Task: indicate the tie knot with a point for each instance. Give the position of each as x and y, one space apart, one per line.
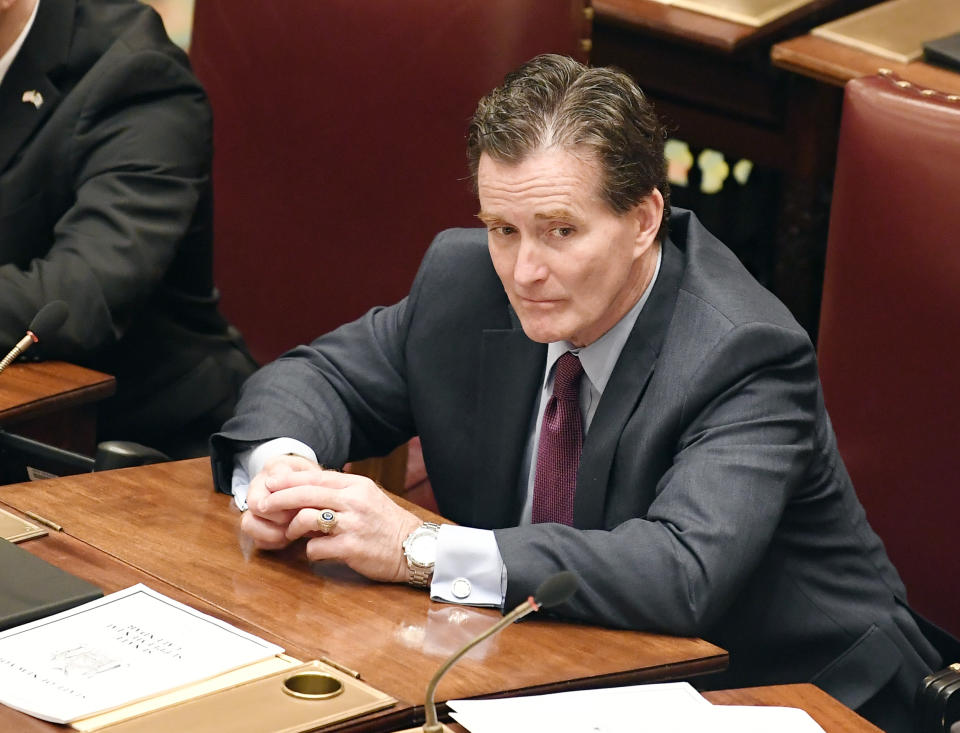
566 377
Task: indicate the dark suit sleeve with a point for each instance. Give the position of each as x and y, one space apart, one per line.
138 159
748 421
345 395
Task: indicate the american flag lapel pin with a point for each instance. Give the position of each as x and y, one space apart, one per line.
32 97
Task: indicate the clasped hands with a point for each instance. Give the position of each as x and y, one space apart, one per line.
285 500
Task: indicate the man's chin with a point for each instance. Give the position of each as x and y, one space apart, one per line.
543 334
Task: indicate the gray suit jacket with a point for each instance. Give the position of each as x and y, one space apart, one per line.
711 499
106 203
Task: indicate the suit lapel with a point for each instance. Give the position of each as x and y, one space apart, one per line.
623 392
43 52
511 371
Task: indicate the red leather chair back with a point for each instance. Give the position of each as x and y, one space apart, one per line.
339 134
889 343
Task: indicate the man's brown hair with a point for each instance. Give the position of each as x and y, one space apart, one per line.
555 101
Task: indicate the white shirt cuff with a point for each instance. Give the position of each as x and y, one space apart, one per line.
250 462
468 569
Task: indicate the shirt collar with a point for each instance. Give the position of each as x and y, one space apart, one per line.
600 357
6 61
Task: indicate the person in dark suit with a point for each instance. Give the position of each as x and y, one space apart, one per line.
105 203
593 394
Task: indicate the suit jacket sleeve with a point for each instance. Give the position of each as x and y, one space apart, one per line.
747 434
137 157
345 395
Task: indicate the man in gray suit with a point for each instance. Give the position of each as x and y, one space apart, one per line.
694 484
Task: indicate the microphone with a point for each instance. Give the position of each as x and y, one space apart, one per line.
551 592
47 321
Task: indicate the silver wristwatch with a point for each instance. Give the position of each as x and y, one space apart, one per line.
420 552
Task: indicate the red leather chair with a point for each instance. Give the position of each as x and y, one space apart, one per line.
889 344
339 134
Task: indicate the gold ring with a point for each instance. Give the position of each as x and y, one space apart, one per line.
326 520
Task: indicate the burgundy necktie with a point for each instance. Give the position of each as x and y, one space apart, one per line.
561 438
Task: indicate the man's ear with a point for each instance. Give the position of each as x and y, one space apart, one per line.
648 214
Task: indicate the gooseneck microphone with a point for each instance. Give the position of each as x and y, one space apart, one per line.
554 590
47 322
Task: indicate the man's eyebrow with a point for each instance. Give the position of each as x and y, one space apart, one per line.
489 218
560 213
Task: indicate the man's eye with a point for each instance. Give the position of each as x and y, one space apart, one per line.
563 232
505 230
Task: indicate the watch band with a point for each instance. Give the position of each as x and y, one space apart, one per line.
420 575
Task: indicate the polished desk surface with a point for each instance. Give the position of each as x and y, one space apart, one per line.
699 28
831 715
167 522
835 63
53 402
29 390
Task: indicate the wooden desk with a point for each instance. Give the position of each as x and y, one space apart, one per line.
166 521
111 574
712 82
831 715
836 64
709 76
54 402
32 390
699 28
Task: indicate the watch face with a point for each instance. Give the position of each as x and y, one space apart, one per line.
423 549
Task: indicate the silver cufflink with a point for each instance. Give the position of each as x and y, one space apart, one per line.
461 588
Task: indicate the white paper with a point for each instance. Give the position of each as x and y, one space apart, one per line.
672 707
115 650
665 707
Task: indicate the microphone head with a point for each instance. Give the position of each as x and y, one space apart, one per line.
49 319
557 588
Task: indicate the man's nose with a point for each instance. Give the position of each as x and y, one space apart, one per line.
529 267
